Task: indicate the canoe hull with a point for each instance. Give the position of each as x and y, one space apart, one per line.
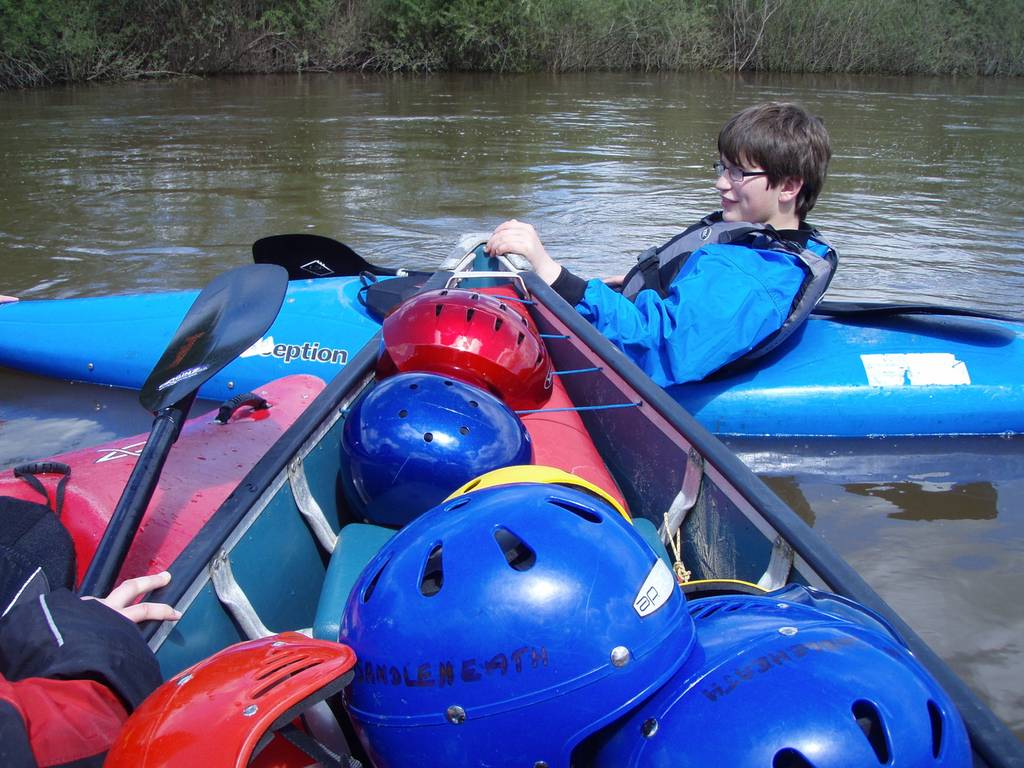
257 563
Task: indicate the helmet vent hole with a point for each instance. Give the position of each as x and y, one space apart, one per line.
707 607
368 592
498 322
521 338
518 554
471 485
790 758
433 573
474 404
414 386
403 413
282 675
428 437
469 315
936 719
583 489
449 383
870 723
463 431
437 309
586 514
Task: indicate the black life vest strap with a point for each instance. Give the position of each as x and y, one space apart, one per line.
648 269
28 472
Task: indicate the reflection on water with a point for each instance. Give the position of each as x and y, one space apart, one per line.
948 556
934 501
162 185
41 417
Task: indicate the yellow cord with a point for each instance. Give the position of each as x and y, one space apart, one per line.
675 542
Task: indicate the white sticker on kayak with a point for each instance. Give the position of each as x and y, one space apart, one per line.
132 451
656 590
307 351
915 369
264 346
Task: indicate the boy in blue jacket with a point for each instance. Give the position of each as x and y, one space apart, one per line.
731 287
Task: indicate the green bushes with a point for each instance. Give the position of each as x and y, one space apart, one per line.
45 41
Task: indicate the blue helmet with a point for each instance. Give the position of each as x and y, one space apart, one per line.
416 437
775 683
504 626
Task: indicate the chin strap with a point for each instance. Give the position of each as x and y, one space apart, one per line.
317 751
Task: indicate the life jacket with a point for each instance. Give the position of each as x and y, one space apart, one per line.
656 268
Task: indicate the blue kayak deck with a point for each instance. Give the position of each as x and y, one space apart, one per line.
116 340
904 375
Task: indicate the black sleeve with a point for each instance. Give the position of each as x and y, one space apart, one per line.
569 286
63 637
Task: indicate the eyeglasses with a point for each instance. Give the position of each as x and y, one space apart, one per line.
736 175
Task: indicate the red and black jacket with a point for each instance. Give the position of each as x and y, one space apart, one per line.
71 671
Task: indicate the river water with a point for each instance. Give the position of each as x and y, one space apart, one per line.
162 185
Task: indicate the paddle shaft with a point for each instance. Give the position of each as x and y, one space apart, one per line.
124 522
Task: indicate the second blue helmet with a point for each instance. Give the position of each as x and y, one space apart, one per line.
775 683
416 437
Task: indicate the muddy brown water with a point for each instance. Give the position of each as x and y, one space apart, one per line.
161 185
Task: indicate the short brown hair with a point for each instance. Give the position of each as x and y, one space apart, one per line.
783 139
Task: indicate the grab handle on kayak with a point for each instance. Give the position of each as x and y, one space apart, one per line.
513 276
228 407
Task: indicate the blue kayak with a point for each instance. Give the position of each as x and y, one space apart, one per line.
117 340
853 375
897 375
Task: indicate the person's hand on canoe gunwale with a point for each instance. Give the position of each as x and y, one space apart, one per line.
519 237
122 599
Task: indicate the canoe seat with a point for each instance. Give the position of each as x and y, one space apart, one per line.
357 544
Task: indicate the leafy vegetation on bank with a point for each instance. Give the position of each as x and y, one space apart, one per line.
48 41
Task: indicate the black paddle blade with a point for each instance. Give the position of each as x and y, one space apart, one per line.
310 256
861 309
227 317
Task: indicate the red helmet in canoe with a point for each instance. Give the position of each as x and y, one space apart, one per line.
470 336
221 711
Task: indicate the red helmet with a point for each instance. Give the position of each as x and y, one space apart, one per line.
471 336
217 712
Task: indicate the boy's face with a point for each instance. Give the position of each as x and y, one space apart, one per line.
754 200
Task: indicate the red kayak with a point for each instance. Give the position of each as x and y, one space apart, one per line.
206 464
559 437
